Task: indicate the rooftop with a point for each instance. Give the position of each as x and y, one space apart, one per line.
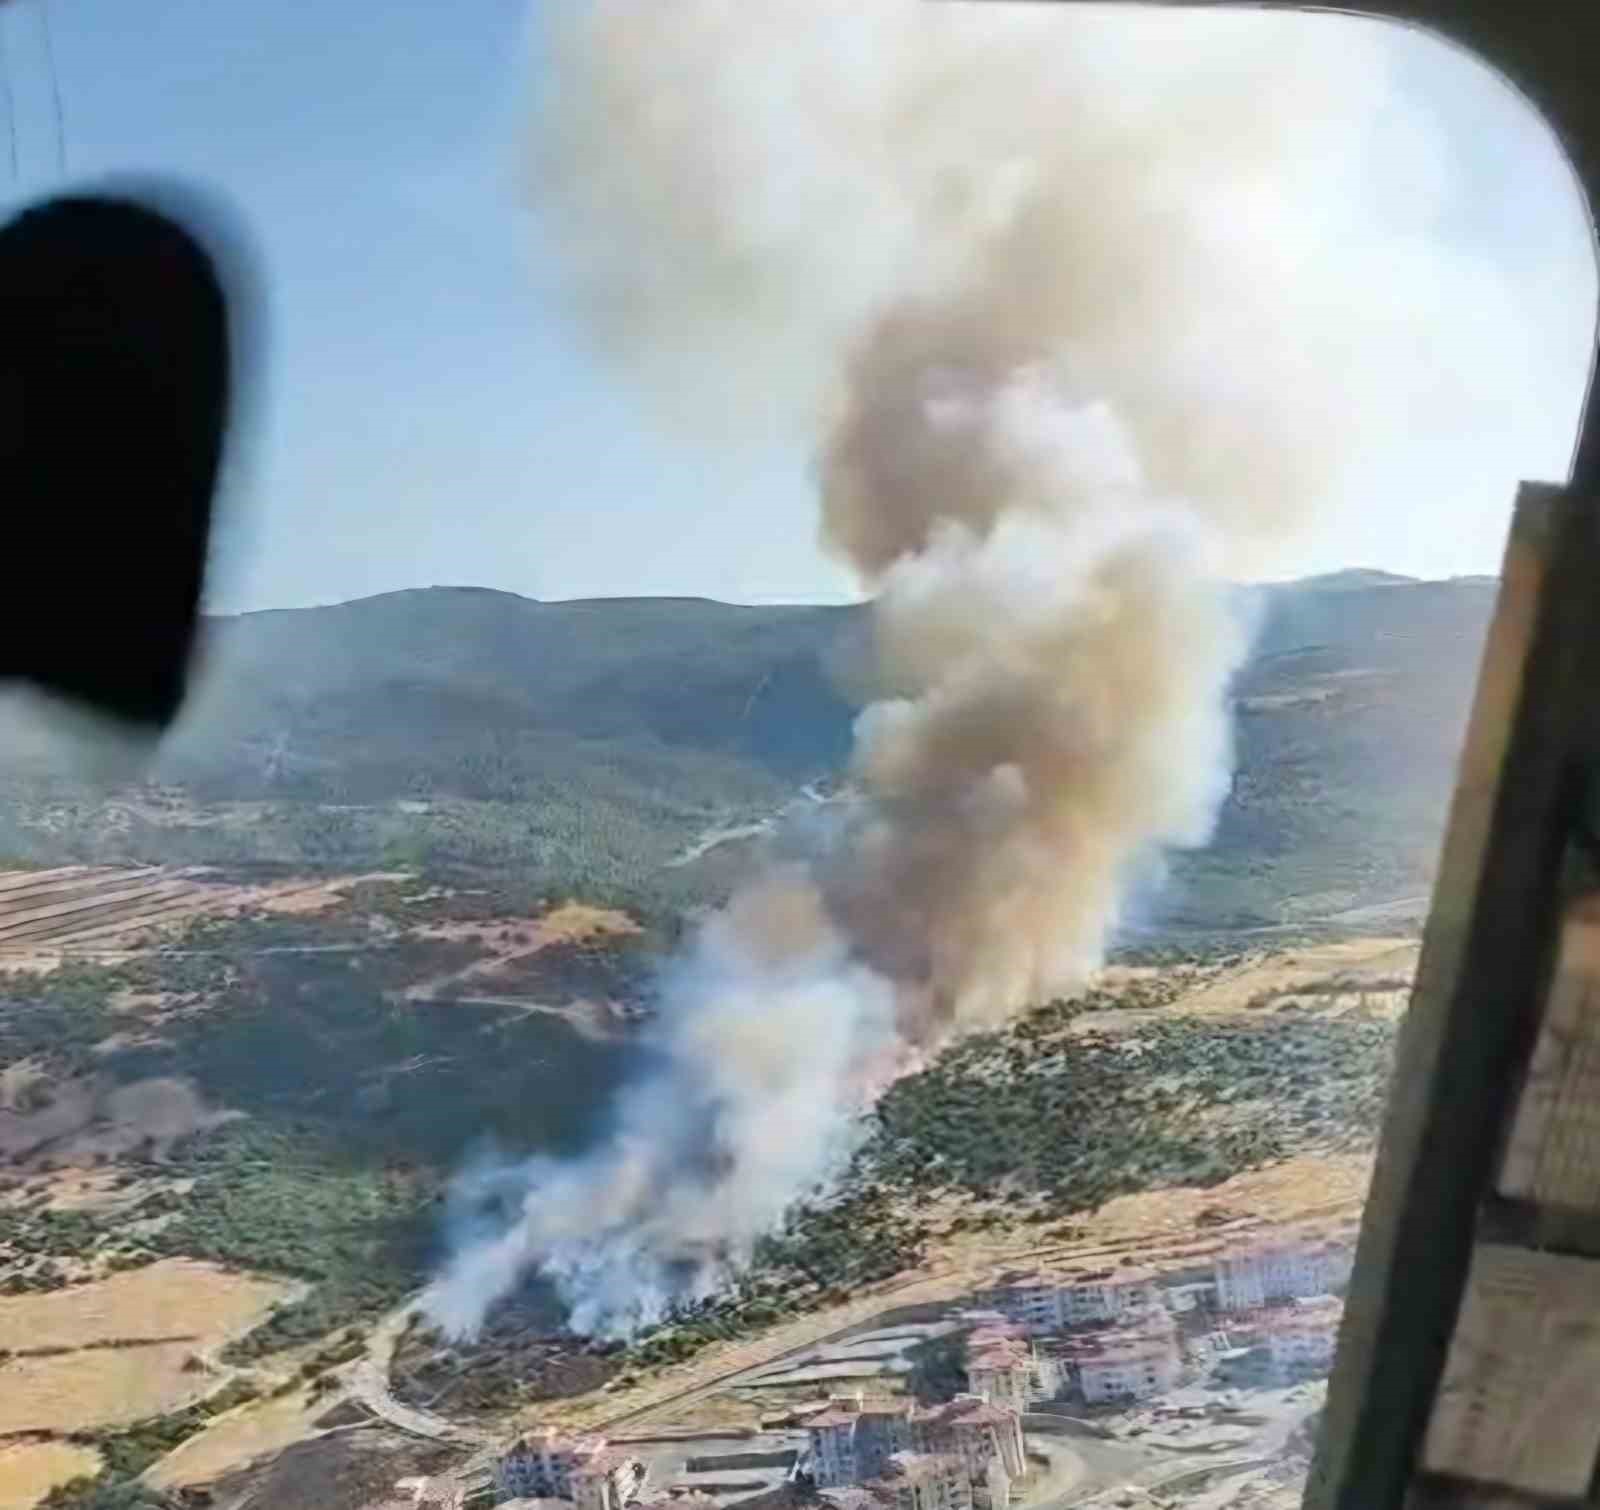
1107 1344
842 1410
965 1410
834 1415
549 1440
1281 1246
1130 1275
995 1358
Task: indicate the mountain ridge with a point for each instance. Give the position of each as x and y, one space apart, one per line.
588 742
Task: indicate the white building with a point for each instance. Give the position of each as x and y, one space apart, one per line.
1050 1302
856 1440
1301 1338
1107 1295
1032 1300
1254 1274
1132 1361
584 1470
1005 1368
1128 1371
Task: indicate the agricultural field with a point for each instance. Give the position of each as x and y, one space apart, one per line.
29 1470
138 1344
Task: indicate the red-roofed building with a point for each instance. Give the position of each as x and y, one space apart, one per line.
1133 1361
1000 1370
977 1432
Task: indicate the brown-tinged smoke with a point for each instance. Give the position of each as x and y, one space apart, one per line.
1082 316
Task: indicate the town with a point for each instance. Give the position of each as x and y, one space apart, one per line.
1112 1351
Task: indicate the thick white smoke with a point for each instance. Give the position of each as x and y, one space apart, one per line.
1082 315
763 1025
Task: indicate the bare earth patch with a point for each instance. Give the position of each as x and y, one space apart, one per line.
509 939
30 1470
1366 962
1369 974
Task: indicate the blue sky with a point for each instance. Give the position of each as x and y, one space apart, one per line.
427 413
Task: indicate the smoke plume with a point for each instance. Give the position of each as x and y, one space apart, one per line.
1082 316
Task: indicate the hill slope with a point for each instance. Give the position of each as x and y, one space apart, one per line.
587 745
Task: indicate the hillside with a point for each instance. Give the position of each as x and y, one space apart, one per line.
587 746
262 1075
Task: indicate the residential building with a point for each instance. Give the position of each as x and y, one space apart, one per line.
1254 1274
991 1321
995 1490
910 1481
1195 1295
1107 1295
1302 1336
1000 1370
1132 1361
1047 1379
1128 1371
584 1470
976 1432
539 1466
1048 1302
1033 1300
854 1438
925 1481
607 1480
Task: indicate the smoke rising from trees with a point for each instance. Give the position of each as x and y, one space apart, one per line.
1083 317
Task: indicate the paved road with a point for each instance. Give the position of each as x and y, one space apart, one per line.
368 1382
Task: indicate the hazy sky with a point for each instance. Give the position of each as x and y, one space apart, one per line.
428 415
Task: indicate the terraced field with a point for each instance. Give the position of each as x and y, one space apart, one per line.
95 911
